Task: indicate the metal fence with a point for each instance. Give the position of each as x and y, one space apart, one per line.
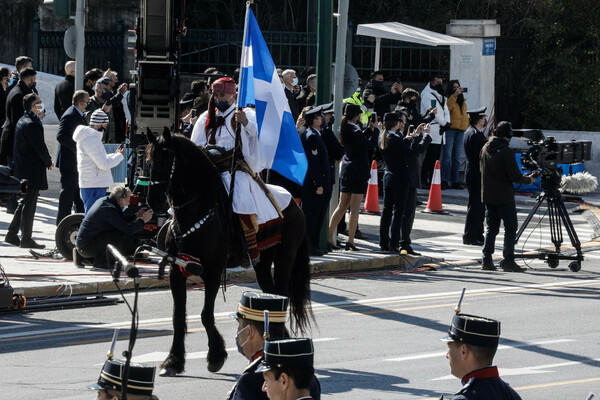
102 49
203 48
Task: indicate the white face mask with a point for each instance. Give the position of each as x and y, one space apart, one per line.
295 81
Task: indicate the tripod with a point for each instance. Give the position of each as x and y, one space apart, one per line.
558 217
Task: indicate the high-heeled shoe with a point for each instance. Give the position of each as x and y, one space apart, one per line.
350 246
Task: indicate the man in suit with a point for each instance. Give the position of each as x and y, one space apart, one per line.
63 92
31 161
66 159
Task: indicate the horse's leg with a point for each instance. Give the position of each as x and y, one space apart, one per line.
216 345
263 270
175 361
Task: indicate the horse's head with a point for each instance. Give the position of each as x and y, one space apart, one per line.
160 156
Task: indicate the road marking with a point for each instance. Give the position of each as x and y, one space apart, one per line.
400 309
549 384
161 355
536 369
316 307
500 347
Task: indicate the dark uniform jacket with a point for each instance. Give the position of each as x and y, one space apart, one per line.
334 149
14 111
63 95
249 386
105 216
485 384
417 146
356 162
499 169
3 94
119 115
66 158
396 167
293 103
31 155
109 133
318 161
473 143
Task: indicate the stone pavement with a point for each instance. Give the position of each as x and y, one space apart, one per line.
437 237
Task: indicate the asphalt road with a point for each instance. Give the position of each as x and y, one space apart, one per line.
377 337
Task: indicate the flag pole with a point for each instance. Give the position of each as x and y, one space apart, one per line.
242 58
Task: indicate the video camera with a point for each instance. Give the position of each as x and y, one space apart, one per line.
548 153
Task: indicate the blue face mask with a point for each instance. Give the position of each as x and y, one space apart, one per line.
106 95
222 105
124 208
237 343
11 81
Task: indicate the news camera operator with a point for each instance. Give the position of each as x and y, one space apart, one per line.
499 170
108 223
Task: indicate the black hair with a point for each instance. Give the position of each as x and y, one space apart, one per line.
4 71
198 86
482 355
504 129
276 330
302 377
375 73
91 75
22 61
26 73
437 75
29 100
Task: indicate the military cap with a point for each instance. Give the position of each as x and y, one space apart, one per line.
391 117
327 108
253 305
471 329
314 112
352 110
290 353
141 378
187 99
225 85
477 112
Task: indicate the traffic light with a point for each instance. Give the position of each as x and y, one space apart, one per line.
60 8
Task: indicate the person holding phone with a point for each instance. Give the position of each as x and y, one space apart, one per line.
93 164
453 143
432 97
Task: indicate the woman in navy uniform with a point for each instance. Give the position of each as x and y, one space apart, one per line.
474 142
316 190
354 175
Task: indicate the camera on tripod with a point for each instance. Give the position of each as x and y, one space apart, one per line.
548 153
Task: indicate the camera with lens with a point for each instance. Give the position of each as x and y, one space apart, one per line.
547 153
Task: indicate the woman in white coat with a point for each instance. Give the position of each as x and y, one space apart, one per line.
93 164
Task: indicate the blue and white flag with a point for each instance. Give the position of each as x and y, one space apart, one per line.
279 142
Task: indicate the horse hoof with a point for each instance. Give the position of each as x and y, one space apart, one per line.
215 366
167 372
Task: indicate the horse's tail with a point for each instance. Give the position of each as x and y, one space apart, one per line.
299 289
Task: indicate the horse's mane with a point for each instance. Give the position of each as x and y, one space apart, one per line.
195 160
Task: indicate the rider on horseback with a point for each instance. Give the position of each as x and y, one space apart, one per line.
216 128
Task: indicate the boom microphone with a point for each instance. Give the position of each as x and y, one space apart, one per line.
131 270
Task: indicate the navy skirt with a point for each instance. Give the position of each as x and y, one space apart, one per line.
356 186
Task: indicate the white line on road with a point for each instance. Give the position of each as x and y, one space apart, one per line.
501 347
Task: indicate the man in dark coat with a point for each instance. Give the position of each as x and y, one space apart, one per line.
106 223
316 190
472 343
14 111
63 92
66 159
499 170
383 98
4 83
117 105
31 161
335 150
473 143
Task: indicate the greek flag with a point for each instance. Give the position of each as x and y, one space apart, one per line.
279 142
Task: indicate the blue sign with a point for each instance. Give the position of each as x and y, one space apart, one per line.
489 47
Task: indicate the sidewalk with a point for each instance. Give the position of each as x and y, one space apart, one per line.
438 238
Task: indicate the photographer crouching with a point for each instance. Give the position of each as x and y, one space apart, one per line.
107 223
499 170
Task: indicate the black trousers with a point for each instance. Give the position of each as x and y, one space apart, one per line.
391 217
314 207
69 195
431 156
494 214
96 249
475 214
24 214
409 215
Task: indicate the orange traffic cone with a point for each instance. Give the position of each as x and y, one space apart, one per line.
434 203
372 201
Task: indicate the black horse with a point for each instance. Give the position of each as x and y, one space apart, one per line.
183 177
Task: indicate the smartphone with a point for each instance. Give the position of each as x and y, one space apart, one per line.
465 90
374 117
433 103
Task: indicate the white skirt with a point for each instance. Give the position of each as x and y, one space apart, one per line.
249 198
